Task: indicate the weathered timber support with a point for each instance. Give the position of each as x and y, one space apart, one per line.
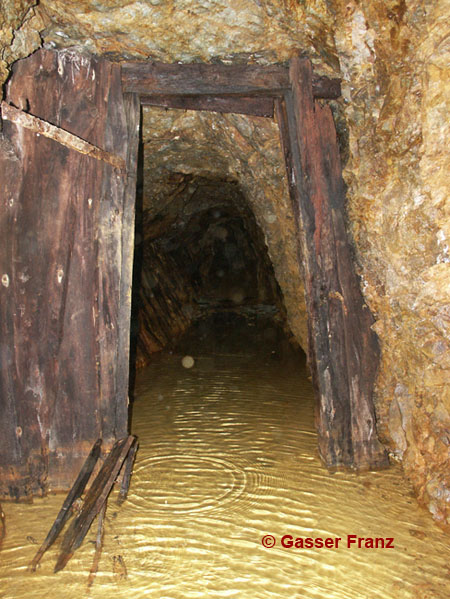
65 261
215 80
343 349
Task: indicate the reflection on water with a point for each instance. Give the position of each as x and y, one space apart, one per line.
228 455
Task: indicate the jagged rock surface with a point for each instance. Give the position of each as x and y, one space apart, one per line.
393 56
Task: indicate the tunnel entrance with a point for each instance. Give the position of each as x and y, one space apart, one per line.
342 348
69 154
199 256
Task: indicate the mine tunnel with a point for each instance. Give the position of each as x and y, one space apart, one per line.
201 261
224 299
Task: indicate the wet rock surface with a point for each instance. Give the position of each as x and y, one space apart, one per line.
199 251
393 57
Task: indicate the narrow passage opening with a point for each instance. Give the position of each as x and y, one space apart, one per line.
203 280
228 460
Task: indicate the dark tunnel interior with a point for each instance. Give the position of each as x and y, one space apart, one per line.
203 279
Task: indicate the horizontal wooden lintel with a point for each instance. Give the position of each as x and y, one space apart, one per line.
254 106
160 79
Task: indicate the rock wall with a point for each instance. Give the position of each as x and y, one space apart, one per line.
246 150
163 295
395 59
393 56
20 27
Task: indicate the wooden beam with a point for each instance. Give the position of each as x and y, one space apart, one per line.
343 349
253 106
132 111
159 79
75 492
41 127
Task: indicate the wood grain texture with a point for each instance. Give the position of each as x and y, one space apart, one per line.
94 500
61 262
343 350
132 111
216 80
75 492
41 127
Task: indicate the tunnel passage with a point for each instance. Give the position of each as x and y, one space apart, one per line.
85 267
200 256
303 227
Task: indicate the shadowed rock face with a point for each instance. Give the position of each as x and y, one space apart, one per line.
235 148
198 253
393 57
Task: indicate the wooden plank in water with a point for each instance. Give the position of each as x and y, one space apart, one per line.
123 493
94 501
74 493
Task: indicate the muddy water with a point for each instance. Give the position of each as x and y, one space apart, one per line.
228 455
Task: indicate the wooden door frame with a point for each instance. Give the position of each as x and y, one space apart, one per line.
79 372
343 351
68 154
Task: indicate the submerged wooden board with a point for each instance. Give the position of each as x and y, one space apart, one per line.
343 350
94 501
65 263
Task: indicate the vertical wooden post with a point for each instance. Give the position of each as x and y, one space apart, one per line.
132 109
343 350
66 227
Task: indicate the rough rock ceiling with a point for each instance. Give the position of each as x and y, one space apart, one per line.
192 30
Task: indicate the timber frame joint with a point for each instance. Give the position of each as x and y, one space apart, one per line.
241 89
